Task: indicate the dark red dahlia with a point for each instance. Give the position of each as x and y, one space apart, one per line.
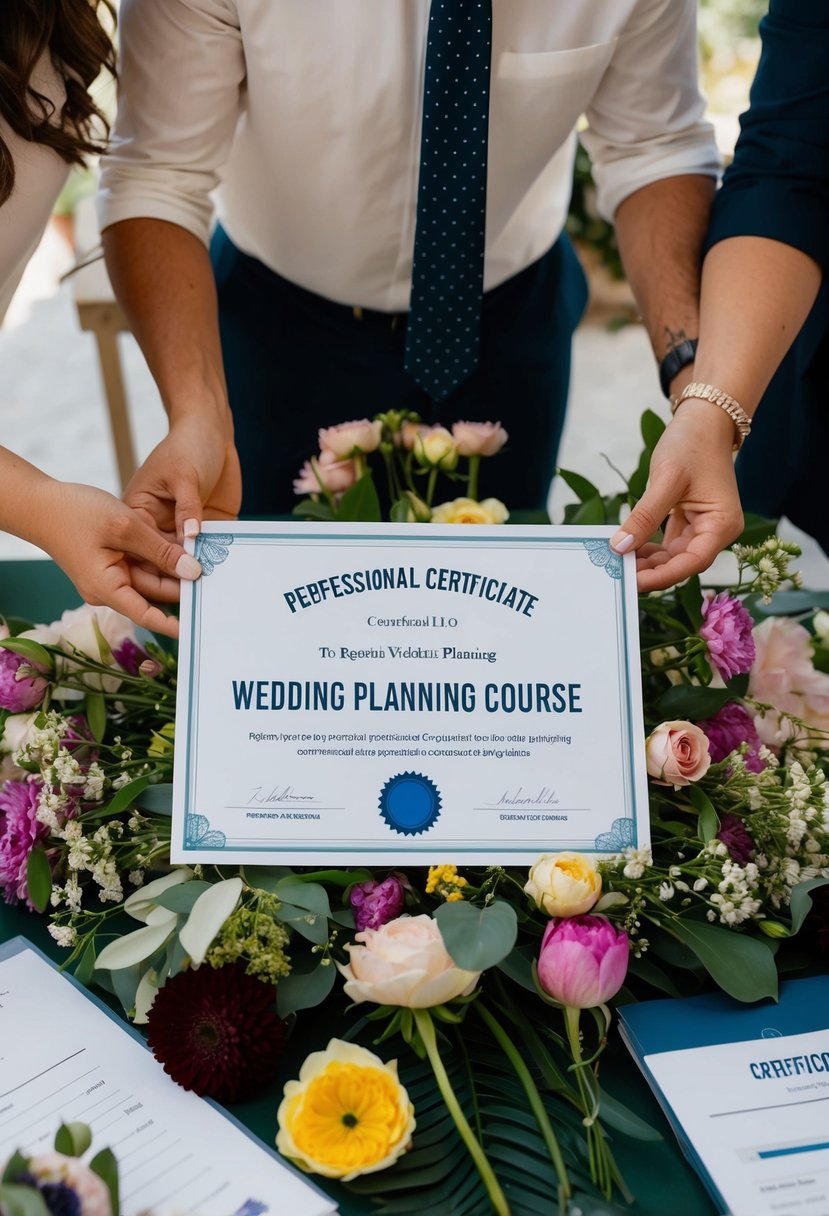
216 1032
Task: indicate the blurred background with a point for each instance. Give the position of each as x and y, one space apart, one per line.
75 400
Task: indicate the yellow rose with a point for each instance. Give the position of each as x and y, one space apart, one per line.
346 1115
468 511
436 446
564 884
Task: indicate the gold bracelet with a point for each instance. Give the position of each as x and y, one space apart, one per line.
707 392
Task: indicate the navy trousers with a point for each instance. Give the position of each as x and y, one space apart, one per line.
295 362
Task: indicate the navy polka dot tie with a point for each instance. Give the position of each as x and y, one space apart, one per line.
444 328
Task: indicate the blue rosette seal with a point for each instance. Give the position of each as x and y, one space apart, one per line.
410 803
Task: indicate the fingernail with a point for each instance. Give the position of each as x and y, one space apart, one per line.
187 567
191 528
621 541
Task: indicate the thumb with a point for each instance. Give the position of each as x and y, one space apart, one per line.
146 543
646 517
189 506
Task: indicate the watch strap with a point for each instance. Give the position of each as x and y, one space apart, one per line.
677 358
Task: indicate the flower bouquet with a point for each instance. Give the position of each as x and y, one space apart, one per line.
467 1013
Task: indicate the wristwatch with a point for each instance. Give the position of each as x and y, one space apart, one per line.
677 358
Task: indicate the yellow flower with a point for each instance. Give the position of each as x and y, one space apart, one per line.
564 884
446 881
468 511
162 744
346 1115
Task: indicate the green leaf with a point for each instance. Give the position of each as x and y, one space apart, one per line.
95 708
708 823
589 512
180 899
39 879
801 900
690 597
73 1139
518 965
86 964
477 938
105 1165
360 502
639 480
15 1164
157 799
400 509
22 1201
310 508
691 702
756 529
266 878
580 486
308 895
623 1119
27 648
304 990
742 966
124 798
652 428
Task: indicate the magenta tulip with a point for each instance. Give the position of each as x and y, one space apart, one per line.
583 961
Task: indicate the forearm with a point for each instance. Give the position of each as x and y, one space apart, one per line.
756 294
163 279
661 229
24 499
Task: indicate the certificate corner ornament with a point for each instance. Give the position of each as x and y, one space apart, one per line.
199 834
410 803
211 550
601 555
622 835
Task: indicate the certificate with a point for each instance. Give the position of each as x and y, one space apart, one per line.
382 694
65 1058
747 1090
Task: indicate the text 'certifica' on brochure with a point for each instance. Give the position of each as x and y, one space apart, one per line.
369 694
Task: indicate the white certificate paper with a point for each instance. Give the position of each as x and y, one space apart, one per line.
63 1059
756 1115
422 693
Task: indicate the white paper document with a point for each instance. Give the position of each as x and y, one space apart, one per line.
423 693
757 1115
63 1058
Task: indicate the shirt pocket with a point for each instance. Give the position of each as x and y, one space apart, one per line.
588 62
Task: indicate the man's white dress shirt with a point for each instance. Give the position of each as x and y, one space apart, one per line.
306 114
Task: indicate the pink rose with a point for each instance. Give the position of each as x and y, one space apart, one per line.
479 438
583 961
677 754
409 432
347 438
335 475
783 675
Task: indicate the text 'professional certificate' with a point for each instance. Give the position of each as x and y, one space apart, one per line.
385 692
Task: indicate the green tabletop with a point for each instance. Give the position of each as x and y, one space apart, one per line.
657 1173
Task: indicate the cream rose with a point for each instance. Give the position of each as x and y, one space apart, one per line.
17 731
677 754
479 438
783 675
347 438
468 511
404 963
76 631
564 884
436 446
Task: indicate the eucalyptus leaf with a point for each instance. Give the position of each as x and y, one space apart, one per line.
743 966
304 990
308 895
518 966
95 708
477 938
182 897
125 985
311 925
266 878
157 799
39 879
73 1139
801 900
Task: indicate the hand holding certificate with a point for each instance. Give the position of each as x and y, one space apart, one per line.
438 692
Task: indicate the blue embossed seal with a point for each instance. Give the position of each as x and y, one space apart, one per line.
410 803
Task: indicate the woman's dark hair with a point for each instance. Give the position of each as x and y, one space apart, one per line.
70 32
